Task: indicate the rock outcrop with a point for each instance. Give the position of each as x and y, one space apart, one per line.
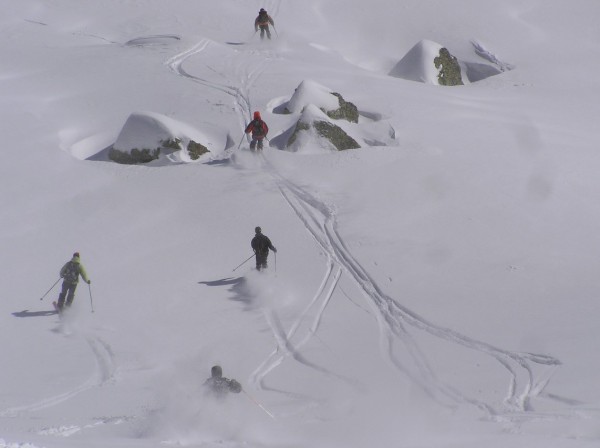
147 137
314 124
332 103
448 69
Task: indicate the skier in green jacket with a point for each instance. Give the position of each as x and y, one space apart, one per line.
70 273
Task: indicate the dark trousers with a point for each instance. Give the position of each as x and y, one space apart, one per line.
255 141
68 292
261 260
264 28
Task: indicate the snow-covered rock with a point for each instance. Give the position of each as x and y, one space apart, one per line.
417 64
330 102
316 128
148 136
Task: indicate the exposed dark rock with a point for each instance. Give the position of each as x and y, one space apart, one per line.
347 110
135 156
173 143
329 131
195 150
449 69
335 135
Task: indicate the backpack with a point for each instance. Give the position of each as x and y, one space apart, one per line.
71 272
263 18
257 128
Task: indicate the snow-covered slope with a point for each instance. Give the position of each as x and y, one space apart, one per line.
435 288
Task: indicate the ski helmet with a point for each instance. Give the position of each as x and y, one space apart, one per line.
76 254
258 230
257 115
262 10
216 371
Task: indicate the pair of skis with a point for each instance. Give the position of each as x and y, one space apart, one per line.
55 304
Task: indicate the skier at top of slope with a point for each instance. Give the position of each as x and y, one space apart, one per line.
262 21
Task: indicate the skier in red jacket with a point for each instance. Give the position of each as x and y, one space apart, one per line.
259 131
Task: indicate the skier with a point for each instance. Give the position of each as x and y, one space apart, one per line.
259 131
70 273
218 386
262 21
261 245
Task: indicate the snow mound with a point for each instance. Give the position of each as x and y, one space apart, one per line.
315 133
311 92
417 64
168 138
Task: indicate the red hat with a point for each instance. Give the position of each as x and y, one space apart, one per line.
257 115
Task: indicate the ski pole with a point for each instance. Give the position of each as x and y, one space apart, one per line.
241 141
42 298
276 33
258 404
243 262
91 301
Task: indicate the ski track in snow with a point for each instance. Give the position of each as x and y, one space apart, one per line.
399 324
307 324
309 320
240 94
105 369
396 322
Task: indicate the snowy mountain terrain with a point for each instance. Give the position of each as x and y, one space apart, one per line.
436 287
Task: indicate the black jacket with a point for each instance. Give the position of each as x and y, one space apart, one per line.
261 244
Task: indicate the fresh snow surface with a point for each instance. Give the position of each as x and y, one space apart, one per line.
436 288
416 64
310 92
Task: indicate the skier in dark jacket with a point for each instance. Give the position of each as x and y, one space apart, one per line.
219 386
261 245
70 273
262 21
259 131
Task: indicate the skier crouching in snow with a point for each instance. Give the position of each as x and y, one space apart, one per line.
218 386
261 245
262 21
70 273
259 131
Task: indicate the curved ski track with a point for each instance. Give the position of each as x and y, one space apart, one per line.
240 95
397 324
285 347
105 369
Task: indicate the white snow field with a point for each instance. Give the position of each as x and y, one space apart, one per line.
436 288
